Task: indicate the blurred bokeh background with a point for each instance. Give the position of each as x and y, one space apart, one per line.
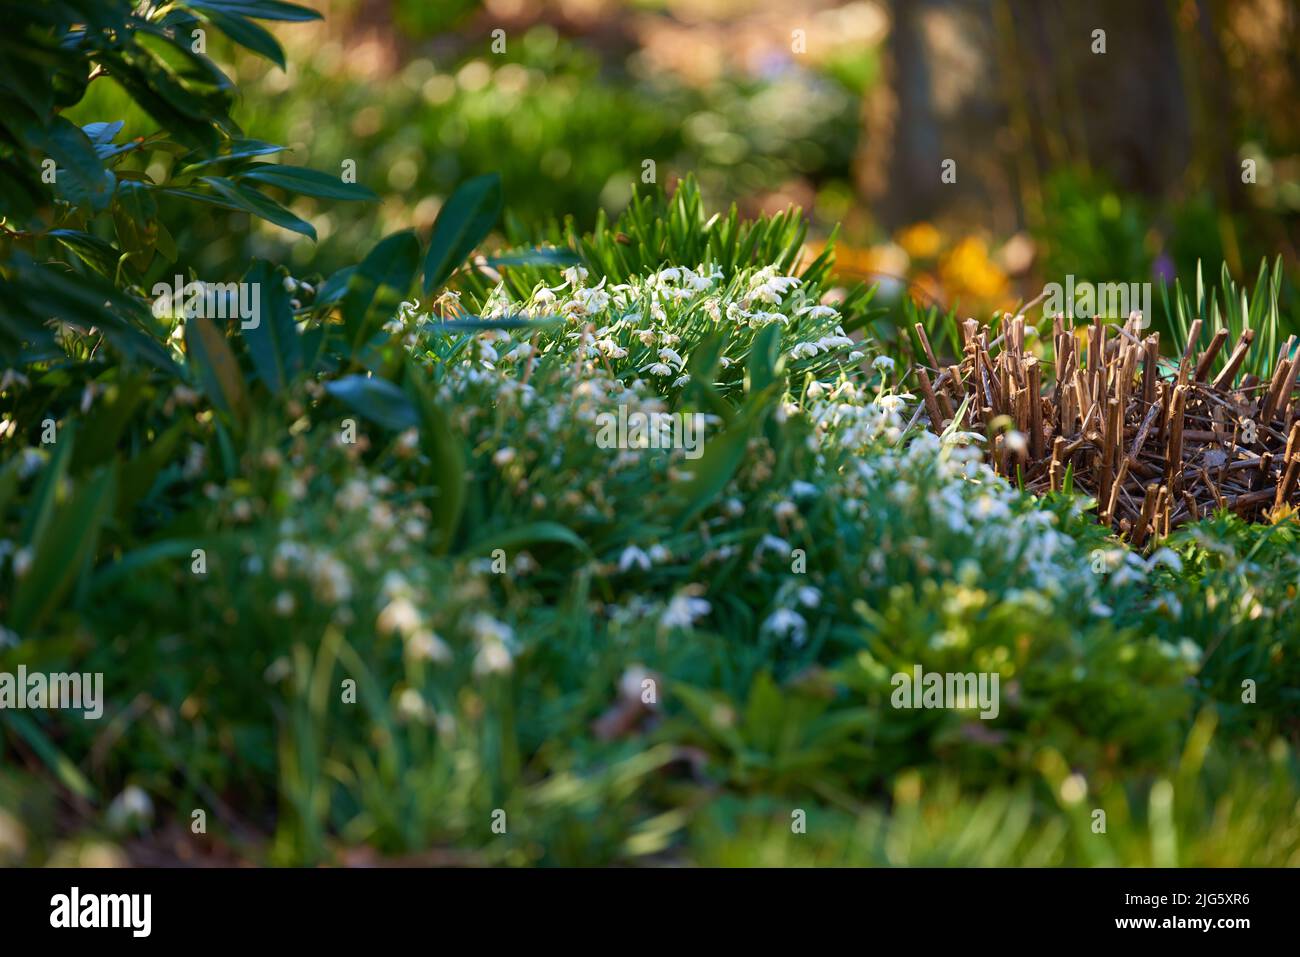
1123 165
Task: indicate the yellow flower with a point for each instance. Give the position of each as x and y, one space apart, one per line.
968 273
921 240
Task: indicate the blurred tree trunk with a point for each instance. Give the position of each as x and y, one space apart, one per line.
1012 88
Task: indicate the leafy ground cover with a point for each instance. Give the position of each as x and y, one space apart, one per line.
364 581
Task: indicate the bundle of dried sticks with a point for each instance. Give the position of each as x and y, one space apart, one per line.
1156 442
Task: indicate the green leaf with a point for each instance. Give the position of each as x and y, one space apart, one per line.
239 149
251 201
764 359
274 343
137 476
98 254
380 283
217 368
258 9
41 508
141 558
530 534
61 553
463 222
308 182
107 422
715 468
246 33
536 257
446 453
64 770
377 399
80 176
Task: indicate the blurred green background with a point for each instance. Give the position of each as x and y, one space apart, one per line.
1122 165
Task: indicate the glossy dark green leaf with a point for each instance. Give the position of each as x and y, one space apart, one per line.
251 201
377 399
308 182
379 285
258 9
246 33
463 222
273 343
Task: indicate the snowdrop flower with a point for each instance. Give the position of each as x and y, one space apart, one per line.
425 645
503 457
684 609
131 808
633 556
882 364
399 616
611 348
1165 556
828 343
661 369
818 312
801 489
1016 441
411 706
784 511
668 355
575 275
785 623
809 597
804 350
771 543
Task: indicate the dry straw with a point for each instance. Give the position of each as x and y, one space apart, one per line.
1156 442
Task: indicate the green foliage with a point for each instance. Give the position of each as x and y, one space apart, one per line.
1230 308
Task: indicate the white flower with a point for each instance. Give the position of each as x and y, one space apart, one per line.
411 706
668 355
882 364
809 597
22 562
633 556
804 350
284 604
659 368
131 808
684 609
400 616
575 275
493 658
503 457
818 312
425 645
1165 556
801 489
785 623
